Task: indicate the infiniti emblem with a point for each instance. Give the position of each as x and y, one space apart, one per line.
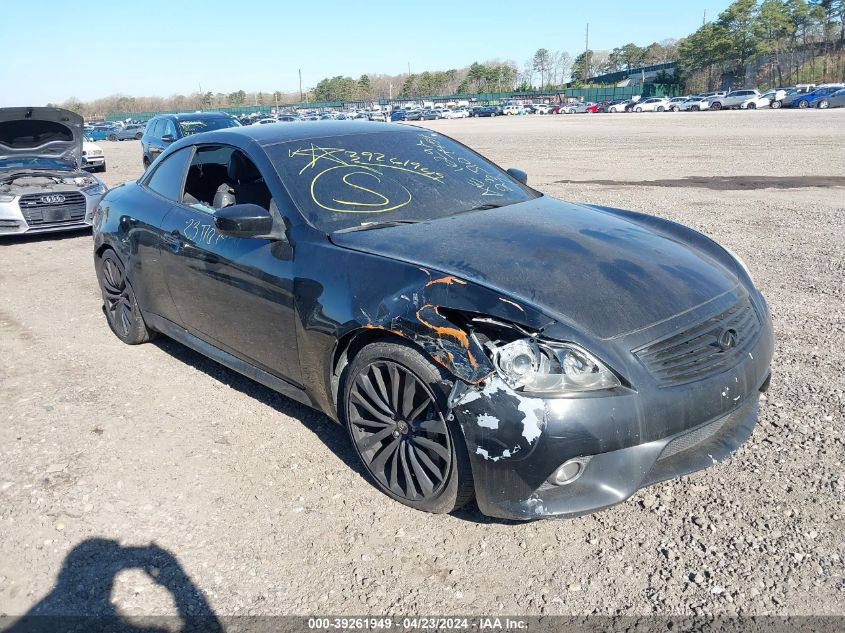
53 199
726 339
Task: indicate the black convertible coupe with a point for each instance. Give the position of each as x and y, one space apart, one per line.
475 337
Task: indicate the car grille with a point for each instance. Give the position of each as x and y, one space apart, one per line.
46 208
695 353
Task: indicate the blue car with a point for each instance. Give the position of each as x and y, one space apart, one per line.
103 132
399 115
812 99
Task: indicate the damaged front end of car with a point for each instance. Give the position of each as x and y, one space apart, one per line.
559 422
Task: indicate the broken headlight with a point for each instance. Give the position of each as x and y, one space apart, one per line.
551 369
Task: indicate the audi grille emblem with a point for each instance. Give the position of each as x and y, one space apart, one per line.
726 339
53 199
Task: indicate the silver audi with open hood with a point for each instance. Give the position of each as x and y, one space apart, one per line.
42 185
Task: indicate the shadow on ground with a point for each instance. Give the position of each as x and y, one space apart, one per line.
81 599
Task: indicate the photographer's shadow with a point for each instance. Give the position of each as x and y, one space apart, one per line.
81 599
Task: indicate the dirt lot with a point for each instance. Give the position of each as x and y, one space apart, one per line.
261 503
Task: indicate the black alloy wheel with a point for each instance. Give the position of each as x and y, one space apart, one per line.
119 302
396 422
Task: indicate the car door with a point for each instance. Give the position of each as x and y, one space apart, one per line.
161 188
235 293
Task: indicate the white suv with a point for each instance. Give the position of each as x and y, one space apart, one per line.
734 99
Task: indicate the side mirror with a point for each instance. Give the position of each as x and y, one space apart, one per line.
243 220
519 175
168 138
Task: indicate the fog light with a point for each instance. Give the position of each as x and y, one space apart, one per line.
569 471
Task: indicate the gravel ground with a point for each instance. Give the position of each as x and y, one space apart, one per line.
259 501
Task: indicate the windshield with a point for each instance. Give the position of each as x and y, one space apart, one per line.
346 181
188 126
25 162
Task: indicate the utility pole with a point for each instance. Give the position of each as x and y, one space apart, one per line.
586 55
409 69
300 85
704 19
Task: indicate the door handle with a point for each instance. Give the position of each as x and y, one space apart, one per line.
173 240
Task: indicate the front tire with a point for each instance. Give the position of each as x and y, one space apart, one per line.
775 105
752 106
716 106
824 104
138 136
393 406
119 302
803 104
660 108
112 137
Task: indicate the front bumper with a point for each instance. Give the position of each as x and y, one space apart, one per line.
14 222
625 440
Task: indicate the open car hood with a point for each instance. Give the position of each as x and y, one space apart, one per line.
41 133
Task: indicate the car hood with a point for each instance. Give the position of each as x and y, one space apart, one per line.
598 271
35 133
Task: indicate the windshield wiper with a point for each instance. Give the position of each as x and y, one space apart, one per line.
369 226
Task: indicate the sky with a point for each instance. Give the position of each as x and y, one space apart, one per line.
161 47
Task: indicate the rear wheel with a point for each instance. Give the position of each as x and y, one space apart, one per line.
638 110
394 403
752 106
660 108
803 104
119 302
776 104
138 136
824 104
716 106
112 137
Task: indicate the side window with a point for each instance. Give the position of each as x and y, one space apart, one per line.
169 128
159 126
169 176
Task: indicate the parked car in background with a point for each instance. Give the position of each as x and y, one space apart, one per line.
164 129
103 132
288 118
413 115
835 100
127 132
540 108
592 108
43 187
764 100
430 115
398 115
812 99
393 310
675 104
695 104
513 109
489 111
93 158
652 104
619 106
579 107
734 99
